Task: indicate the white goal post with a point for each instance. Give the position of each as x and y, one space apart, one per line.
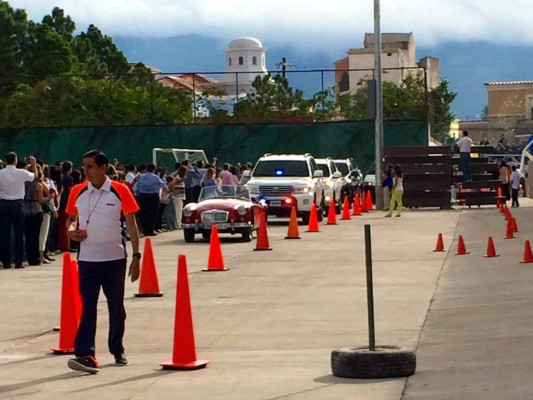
168 157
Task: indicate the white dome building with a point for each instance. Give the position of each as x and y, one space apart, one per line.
245 60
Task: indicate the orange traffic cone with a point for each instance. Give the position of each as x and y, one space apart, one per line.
506 213
293 232
346 209
369 204
184 349
69 317
215 261
461 249
262 242
313 220
148 284
514 225
509 232
491 251
332 217
356 205
440 244
528 256
363 202
76 286
498 201
77 296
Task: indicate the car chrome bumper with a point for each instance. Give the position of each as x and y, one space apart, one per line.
221 226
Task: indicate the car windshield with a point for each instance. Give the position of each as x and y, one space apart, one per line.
343 167
324 168
281 168
224 191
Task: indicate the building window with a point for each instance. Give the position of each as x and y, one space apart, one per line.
241 61
344 83
263 60
254 60
229 61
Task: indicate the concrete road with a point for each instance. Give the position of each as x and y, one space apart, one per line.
268 325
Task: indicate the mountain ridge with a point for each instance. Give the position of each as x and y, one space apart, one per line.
465 65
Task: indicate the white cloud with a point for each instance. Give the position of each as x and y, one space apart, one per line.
322 25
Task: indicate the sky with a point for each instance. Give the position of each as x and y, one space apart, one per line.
310 24
330 28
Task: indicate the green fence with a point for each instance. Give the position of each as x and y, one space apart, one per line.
230 143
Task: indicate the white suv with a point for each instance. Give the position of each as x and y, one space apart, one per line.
332 184
286 180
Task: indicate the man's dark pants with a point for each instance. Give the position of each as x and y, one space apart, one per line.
11 215
465 166
110 276
149 210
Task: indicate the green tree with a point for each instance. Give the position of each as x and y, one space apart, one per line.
270 99
13 35
59 23
407 101
46 53
105 51
442 99
485 113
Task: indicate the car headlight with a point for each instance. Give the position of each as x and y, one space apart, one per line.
241 210
253 189
187 212
302 189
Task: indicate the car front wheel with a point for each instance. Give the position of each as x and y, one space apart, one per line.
246 234
337 205
188 235
305 217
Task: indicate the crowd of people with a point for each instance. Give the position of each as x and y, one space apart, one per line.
33 200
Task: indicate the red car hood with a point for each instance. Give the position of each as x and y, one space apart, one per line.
221 204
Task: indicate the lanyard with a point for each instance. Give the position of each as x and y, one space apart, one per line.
91 210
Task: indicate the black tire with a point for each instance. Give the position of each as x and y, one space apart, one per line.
188 235
246 234
384 362
337 206
320 211
206 234
305 217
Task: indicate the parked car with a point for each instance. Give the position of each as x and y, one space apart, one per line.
332 183
351 177
369 185
230 208
284 181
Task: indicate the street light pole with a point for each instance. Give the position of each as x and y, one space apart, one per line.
378 122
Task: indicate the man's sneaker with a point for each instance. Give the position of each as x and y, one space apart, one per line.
84 364
121 360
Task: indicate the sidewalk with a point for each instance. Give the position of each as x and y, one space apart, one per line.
268 325
477 342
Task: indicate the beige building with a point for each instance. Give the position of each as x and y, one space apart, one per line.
509 114
398 58
510 109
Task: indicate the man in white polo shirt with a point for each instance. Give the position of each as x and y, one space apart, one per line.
465 146
96 210
12 194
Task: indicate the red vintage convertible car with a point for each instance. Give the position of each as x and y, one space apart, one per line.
228 207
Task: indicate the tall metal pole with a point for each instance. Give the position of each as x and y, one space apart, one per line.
370 290
378 123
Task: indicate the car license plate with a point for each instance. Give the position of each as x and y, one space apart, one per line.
276 203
